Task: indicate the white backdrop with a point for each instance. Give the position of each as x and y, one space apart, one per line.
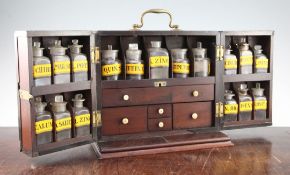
120 15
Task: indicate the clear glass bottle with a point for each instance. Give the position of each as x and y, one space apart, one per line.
111 65
134 64
245 103
231 107
62 119
201 62
60 62
261 61
43 123
245 57
158 61
181 65
260 103
81 116
79 62
41 66
230 62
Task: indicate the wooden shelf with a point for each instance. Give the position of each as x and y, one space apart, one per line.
248 77
150 83
245 124
59 88
64 144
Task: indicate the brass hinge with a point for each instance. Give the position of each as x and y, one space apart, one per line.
219 109
95 55
97 118
25 95
219 52
160 83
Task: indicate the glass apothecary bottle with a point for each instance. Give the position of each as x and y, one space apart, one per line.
43 123
62 119
230 62
260 103
134 64
81 116
246 57
41 66
230 107
201 62
111 65
79 62
261 61
60 62
245 103
158 61
181 64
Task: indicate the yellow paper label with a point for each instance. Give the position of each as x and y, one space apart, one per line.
111 69
42 70
82 120
43 126
182 68
246 106
135 69
260 105
61 67
246 60
261 63
62 124
230 63
231 108
159 61
80 66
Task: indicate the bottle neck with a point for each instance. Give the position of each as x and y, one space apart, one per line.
78 104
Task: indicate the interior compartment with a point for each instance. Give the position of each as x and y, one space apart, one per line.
66 41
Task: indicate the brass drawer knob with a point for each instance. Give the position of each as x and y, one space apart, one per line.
126 97
160 111
125 121
194 116
160 124
195 93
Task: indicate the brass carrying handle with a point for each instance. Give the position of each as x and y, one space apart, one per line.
156 11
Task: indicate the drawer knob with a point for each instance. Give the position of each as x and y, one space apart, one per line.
194 116
160 124
195 93
160 111
126 97
125 121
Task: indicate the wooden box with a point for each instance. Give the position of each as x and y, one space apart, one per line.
175 96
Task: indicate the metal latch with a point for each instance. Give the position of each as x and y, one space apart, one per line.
95 55
97 118
160 83
25 95
219 52
219 109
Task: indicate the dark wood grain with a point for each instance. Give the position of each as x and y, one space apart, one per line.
182 115
153 124
185 93
153 111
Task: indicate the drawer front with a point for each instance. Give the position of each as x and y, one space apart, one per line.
124 120
159 111
192 93
135 96
192 115
160 124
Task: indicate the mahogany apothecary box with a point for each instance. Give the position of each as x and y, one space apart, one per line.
179 98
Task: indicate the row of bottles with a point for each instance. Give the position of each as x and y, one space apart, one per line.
60 65
244 106
246 60
59 121
158 60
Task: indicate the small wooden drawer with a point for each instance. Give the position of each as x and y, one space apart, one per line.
124 120
192 93
192 115
135 96
159 111
160 124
